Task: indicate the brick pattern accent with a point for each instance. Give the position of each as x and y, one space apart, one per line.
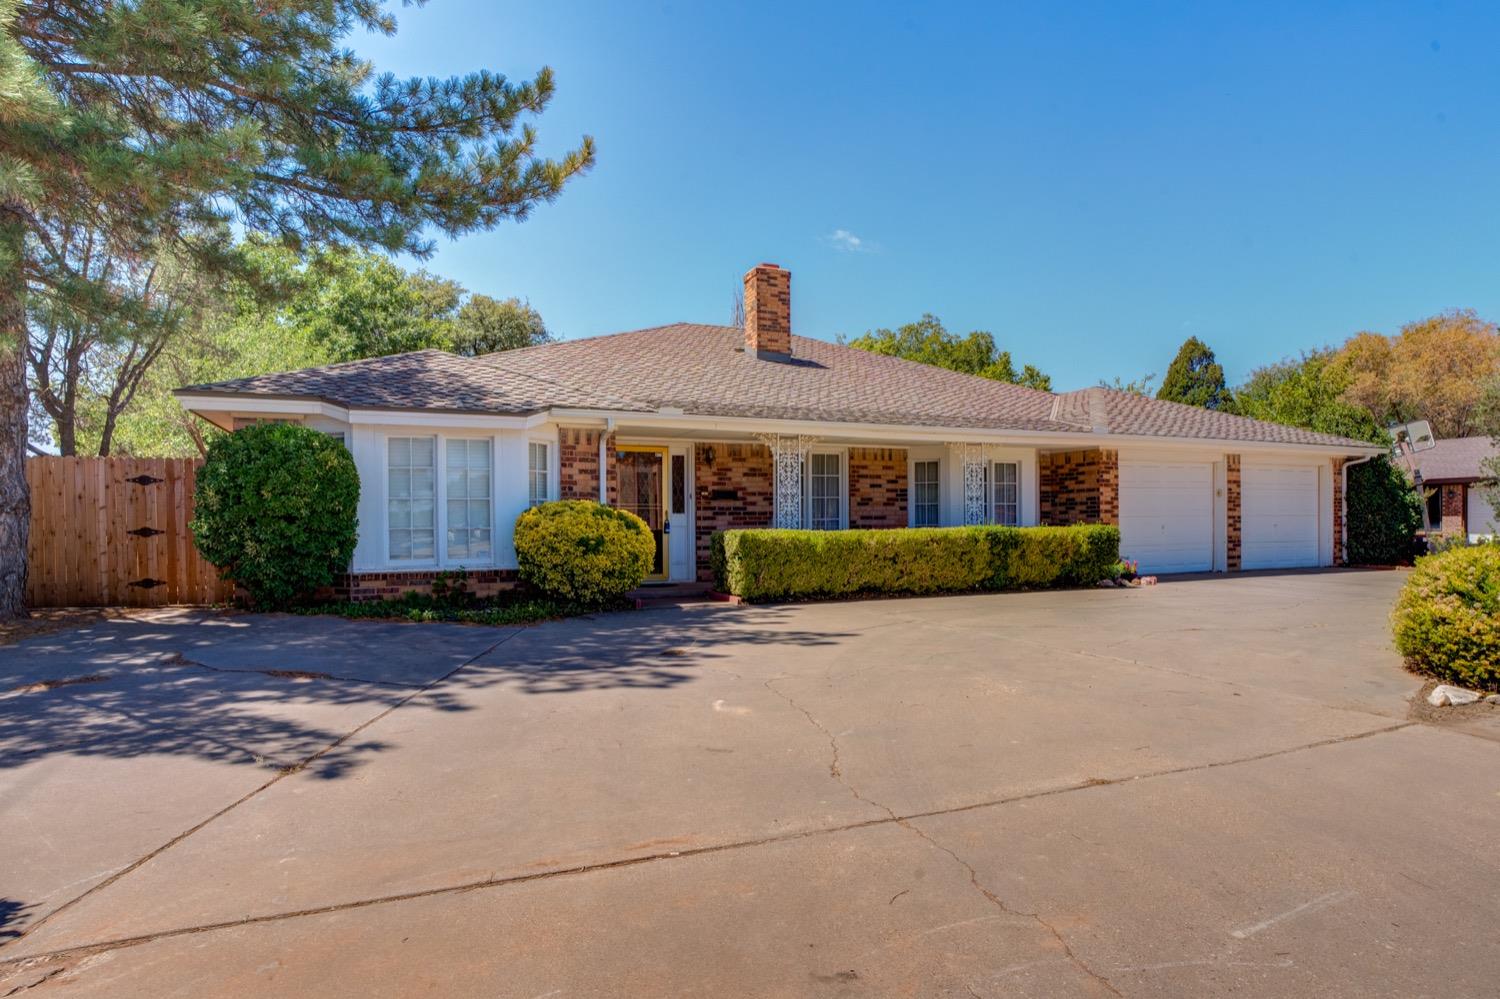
1452 501
738 490
1340 557
877 487
768 309
1080 487
360 586
1232 515
578 463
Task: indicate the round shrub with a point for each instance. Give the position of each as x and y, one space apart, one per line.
275 510
583 552
1447 618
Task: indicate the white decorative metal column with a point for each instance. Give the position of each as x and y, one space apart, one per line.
972 459
788 454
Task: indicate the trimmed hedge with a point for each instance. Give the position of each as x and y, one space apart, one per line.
787 565
582 552
1447 619
275 510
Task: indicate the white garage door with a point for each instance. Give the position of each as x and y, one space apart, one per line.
1278 516
1484 519
1167 515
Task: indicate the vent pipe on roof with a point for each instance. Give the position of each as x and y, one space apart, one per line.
768 312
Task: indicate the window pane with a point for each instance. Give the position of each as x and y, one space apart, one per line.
925 494
410 498
679 484
400 451
1007 493
537 478
823 492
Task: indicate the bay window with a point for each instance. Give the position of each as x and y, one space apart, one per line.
470 505
411 498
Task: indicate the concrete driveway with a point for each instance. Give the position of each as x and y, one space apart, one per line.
1204 788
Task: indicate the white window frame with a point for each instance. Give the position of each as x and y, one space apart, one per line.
552 470
992 488
937 464
842 455
444 556
437 500
441 559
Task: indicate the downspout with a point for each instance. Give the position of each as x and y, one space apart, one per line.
1344 503
609 428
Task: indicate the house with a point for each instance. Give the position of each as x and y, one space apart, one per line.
1452 477
700 428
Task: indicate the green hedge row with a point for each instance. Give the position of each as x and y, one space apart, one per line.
788 565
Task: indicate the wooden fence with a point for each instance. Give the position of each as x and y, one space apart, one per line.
114 532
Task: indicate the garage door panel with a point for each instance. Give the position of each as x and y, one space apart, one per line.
1279 517
1166 515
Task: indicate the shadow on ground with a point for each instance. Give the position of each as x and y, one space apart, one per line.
274 690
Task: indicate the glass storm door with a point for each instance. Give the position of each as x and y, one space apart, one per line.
642 475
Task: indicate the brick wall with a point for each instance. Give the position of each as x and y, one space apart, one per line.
1080 487
1232 534
1453 499
578 463
737 490
361 586
877 487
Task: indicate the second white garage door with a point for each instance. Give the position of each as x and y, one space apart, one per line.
1279 516
1167 515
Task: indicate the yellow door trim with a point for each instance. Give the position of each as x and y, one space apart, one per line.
666 498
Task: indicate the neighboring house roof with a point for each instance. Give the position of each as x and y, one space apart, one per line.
1455 459
705 371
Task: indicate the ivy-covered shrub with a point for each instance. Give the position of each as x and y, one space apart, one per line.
583 552
275 510
1385 514
1447 619
783 565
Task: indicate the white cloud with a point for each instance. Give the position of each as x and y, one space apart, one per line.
843 239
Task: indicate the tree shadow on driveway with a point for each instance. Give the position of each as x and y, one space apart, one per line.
127 691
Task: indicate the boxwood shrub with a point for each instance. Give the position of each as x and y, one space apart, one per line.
1447 619
583 552
787 565
275 510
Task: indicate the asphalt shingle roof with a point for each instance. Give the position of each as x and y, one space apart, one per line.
704 370
1455 459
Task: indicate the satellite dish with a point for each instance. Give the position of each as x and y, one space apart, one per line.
1411 437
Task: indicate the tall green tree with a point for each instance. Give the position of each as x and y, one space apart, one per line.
1195 377
1311 392
153 120
929 342
484 325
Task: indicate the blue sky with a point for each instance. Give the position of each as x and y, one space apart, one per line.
1091 182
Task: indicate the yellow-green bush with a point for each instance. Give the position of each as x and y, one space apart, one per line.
1447 619
786 565
583 552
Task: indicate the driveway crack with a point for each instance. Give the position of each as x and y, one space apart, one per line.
836 772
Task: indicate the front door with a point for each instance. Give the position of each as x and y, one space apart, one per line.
642 476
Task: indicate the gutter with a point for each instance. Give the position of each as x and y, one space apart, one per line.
609 428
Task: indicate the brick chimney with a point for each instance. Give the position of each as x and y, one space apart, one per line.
768 311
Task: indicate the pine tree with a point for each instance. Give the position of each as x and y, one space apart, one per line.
1195 377
155 121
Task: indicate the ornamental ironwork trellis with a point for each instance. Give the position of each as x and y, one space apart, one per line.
789 454
974 461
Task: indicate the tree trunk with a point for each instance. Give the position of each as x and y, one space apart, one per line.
15 498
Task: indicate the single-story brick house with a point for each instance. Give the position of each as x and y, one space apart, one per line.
699 428
1452 474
